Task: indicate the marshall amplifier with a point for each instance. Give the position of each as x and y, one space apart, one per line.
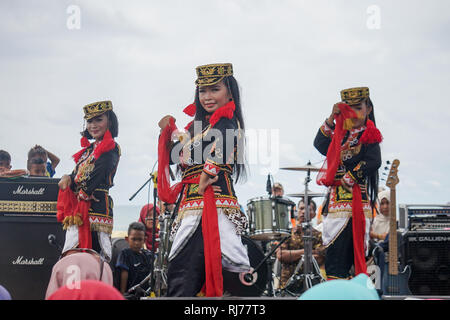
27 218
428 254
28 196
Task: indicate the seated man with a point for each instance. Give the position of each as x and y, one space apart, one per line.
291 251
277 190
134 263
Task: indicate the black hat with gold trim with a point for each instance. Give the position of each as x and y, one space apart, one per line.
353 96
210 74
96 108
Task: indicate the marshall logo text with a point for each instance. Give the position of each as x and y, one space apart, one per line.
29 262
25 191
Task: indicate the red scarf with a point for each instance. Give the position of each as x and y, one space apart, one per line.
210 227
327 175
70 210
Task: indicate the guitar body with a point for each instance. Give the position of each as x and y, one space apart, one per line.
395 285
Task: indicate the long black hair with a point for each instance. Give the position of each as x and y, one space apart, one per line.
113 126
372 186
240 170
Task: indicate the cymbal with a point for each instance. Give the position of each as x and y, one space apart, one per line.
310 195
302 168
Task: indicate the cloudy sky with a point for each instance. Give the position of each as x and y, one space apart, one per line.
291 59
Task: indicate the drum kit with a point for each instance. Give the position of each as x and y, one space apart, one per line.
270 225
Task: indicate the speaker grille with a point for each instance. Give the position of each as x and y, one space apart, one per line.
26 257
428 254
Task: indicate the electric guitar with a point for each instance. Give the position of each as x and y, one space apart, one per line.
394 282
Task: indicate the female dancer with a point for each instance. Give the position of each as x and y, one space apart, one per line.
351 169
206 232
84 204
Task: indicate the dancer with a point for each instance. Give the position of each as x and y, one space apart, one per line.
84 205
351 169
206 232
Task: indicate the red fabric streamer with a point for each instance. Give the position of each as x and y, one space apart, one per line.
84 142
190 110
371 134
328 171
70 211
226 111
107 144
359 229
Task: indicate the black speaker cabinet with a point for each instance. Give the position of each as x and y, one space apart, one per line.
428 254
26 257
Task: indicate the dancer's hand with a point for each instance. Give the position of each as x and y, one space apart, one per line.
205 181
346 186
164 122
334 112
65 182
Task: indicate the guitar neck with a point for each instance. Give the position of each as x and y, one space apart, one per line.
393 250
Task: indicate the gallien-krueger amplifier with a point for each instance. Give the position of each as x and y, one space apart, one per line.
424 217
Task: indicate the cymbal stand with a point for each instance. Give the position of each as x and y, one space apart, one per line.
160 267
311 269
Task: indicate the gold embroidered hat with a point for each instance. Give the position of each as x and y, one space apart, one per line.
354 96
97 108
210 74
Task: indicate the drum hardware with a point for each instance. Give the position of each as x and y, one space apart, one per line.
269 217
235 284
307 168
311 270
249 276
310 195
162 254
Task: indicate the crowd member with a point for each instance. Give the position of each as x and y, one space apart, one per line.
4 294
291 251
87 290
207 231
85 265
134 263
5 161
277 190
36 167
50 160
5 167
380 225
351 146
146 217
84 205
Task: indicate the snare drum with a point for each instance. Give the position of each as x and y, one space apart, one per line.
269 218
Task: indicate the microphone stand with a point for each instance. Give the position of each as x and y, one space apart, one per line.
146 182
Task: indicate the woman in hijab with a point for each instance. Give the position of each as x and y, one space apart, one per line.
380 225
78 266
146 217
87 290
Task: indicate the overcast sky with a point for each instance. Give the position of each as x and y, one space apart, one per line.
291 59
